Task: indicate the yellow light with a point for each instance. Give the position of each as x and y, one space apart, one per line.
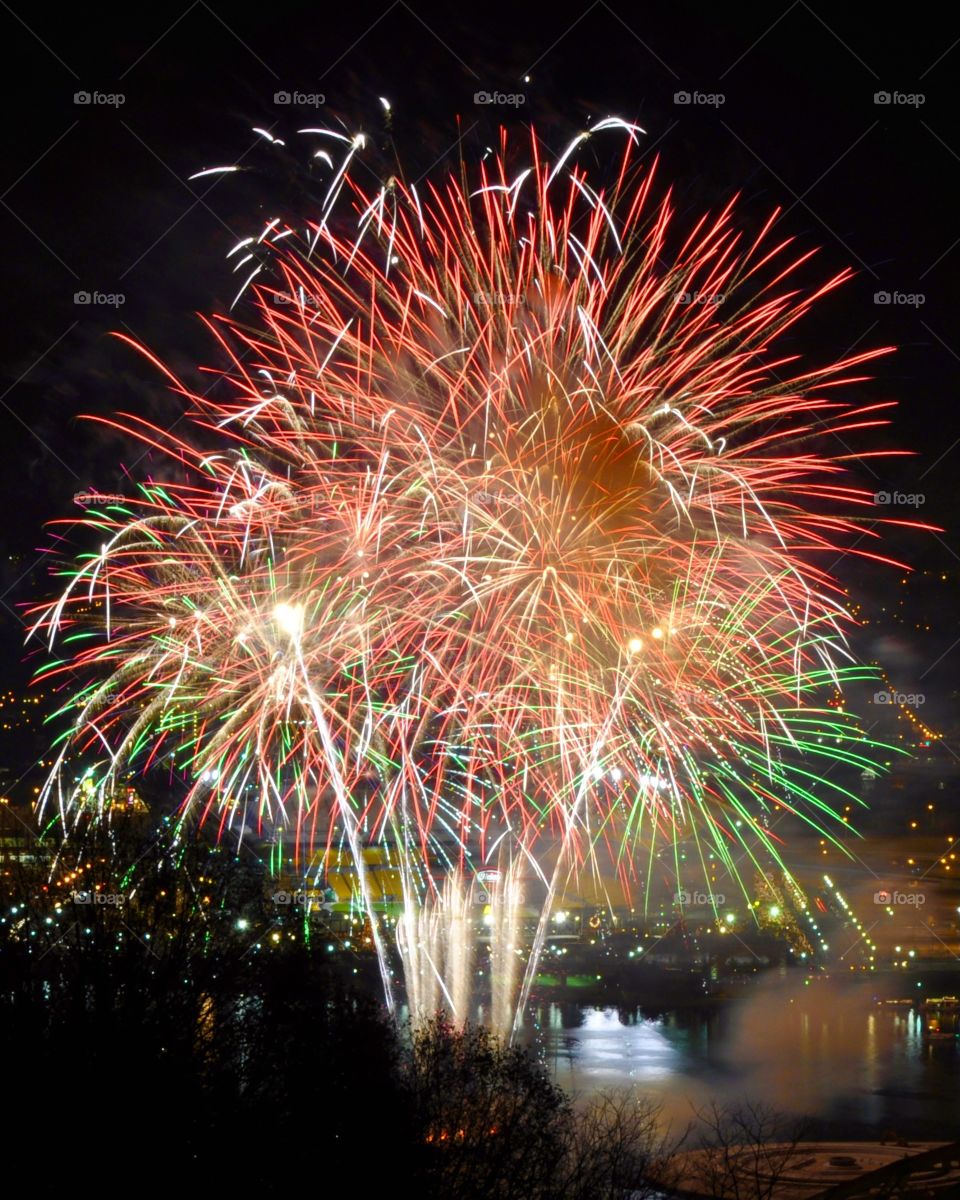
656 633
635 645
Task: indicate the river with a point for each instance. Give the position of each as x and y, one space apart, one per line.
828 1052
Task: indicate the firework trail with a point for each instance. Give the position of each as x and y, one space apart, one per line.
505 524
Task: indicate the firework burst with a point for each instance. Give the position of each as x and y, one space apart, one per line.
517 526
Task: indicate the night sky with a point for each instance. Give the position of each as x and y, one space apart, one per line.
96 199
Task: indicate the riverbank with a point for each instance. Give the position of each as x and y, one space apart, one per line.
821 1170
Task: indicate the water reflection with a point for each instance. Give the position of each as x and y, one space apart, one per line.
857 1067
605 1049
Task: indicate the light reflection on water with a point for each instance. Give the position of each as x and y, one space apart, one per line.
855 1067
603 1050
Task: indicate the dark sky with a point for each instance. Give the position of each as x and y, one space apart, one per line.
95 196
